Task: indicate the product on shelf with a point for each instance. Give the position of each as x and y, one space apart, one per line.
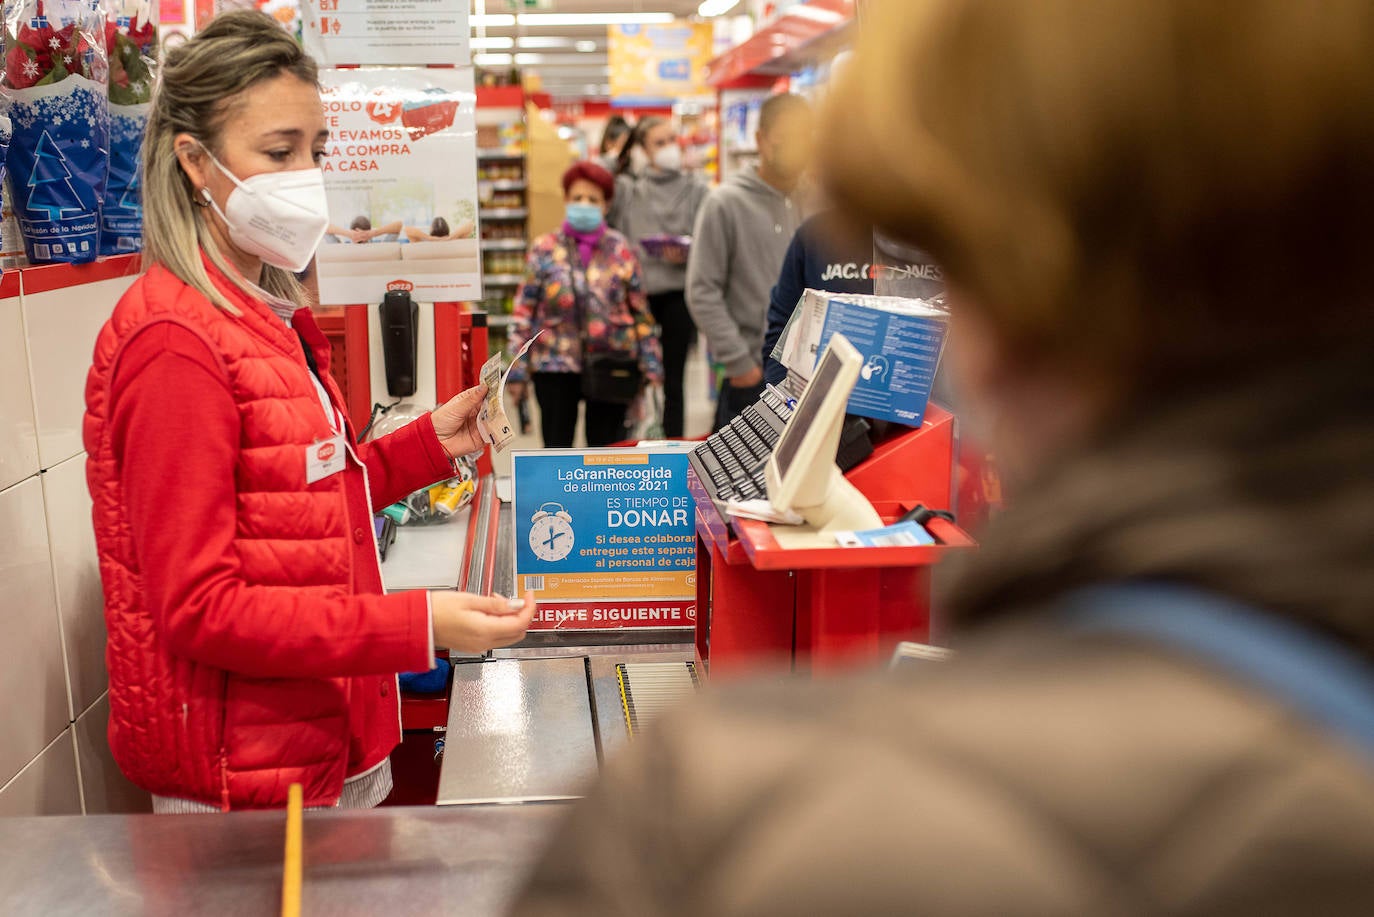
55 75
131 36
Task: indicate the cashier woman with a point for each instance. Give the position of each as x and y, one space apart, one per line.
250 645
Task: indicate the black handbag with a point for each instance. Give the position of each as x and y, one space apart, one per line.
611 377
607 376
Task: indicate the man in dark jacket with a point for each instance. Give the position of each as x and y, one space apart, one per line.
820 257
1190 437
826 255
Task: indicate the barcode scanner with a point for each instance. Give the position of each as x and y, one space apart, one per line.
400 342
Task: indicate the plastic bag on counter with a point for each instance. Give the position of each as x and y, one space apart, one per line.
439 502
131 37
55 77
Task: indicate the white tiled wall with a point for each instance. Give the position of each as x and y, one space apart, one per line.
48 784
80 604
33 684
54 758
61 327
18 442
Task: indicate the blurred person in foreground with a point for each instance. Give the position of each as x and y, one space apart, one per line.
738 245
1154 221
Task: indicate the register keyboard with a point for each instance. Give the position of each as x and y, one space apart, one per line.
731 463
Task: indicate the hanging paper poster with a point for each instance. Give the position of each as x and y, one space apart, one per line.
651 64
604 538
401 177
398 32
172 12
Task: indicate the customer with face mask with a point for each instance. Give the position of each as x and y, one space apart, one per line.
584 296
250 643
613 139
739 243
662 200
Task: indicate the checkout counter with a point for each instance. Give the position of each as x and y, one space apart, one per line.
520 731
526 729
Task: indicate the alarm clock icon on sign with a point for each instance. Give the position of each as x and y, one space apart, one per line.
551 533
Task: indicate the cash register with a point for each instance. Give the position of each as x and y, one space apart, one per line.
789 454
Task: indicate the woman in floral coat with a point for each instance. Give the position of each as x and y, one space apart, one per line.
584 291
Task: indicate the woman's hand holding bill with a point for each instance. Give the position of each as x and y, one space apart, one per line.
455 422
471 623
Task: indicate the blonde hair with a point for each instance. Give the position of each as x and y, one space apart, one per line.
200 81
1141 192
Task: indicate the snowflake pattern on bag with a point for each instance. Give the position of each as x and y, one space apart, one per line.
58 158
56 72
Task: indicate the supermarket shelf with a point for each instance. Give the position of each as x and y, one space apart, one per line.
801 36
498 156
503 280
504 213
500 321
502 184
504 245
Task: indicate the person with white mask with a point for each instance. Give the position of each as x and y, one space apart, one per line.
662 199
250 643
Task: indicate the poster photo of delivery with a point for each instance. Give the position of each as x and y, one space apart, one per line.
401 179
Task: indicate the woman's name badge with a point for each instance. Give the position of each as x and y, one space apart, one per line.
324 458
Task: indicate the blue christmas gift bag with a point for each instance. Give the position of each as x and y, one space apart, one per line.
131 37
55 73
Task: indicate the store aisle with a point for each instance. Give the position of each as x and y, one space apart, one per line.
700 412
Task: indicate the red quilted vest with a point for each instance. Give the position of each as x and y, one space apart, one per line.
175 725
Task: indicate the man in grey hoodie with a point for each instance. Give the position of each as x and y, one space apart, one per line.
741 238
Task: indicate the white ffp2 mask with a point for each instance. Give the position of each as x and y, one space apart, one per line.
278 216
669 158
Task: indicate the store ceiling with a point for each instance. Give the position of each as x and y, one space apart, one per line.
570 59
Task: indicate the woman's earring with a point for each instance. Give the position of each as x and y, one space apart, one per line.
203 200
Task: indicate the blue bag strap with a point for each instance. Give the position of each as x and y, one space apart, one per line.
1313 674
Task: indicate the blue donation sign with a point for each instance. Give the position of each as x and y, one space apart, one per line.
605 538
901 354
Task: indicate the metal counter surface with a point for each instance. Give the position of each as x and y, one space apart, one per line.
519 730
470 861
536 722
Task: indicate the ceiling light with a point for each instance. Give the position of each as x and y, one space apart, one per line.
493 20
545 42
492 60
556 19
491 43
560 60
716 7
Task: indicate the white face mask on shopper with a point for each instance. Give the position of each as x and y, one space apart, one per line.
278 216
669 158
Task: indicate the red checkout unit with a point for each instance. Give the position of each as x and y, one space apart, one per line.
825 608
